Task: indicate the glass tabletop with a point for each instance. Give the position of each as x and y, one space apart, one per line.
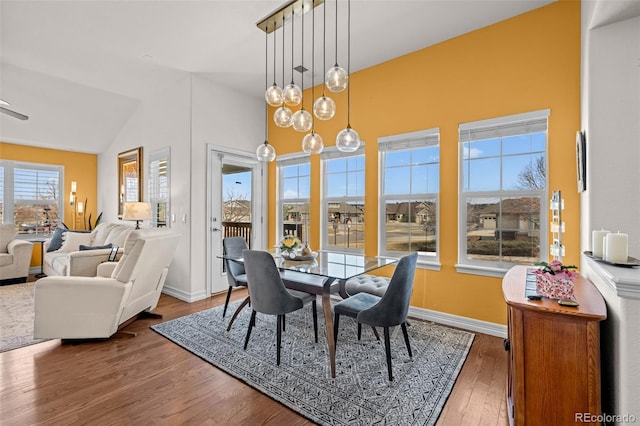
333 265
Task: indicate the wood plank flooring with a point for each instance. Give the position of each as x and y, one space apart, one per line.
149 380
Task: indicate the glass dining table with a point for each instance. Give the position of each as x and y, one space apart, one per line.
323 274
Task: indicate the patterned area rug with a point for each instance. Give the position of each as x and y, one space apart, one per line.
16 316
360 393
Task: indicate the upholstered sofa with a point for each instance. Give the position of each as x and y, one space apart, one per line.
15 256
96 307
78 253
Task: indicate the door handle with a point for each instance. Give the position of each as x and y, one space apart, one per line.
216 229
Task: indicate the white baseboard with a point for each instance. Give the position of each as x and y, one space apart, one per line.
465 323
183 295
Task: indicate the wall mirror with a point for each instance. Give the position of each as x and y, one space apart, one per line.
159 187
129 178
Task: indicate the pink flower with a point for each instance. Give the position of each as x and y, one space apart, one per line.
555 265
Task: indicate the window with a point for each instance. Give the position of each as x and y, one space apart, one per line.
30 196
410 183
343 200
503 192
294 187
159 188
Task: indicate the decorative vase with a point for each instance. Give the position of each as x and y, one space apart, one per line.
558 286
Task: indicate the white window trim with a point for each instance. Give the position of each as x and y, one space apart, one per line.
406 141
8 193
332 153
284 161
154 199
487 268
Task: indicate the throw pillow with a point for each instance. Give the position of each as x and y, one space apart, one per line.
72 241
7 234
56 239
106 246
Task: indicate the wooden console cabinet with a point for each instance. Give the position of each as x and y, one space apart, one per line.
554 354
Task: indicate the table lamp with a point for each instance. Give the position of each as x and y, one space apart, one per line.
137 212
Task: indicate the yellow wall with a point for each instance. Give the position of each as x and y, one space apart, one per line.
79 167
526 63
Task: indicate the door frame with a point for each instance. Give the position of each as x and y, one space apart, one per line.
215 153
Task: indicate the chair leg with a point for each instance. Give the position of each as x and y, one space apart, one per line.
252 322
280 325
283 326
235 314
359 331
315 320
387 349
226 302
375 332
406 339
336 322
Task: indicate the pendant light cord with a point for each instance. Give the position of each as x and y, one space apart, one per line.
302 64
266 83
348 63
313 61
336 33
274 53
293 35
324 46
283 57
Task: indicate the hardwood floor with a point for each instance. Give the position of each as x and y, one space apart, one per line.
148 380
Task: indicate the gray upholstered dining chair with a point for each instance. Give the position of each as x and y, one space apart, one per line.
387 311
269 295
236 276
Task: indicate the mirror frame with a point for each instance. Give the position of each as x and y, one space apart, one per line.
129 161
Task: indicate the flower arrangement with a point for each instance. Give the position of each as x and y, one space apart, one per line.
289 244
555 280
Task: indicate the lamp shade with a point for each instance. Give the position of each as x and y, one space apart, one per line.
137 211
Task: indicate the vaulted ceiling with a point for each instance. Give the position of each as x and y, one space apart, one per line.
80 68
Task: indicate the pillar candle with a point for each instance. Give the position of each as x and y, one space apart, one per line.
597 241
617 248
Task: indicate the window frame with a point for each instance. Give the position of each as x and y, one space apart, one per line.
154 184
408 142
332 153
530 120
8 180
288 160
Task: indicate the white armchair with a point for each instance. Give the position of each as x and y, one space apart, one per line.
94 307
15 256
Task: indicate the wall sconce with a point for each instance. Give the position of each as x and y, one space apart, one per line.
72 194
137 212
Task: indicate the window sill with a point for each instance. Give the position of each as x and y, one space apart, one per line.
481 270
428 264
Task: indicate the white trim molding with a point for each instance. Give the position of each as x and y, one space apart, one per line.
183 295
465 323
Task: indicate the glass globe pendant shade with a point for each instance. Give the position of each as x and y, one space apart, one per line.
312 143
348 140
266 152
292 94
337 79
324 108
282 117
273 95
301 121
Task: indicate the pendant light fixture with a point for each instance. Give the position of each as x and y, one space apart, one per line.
337 78
265 152
292 94
301 121
313 143
273 94
348 140
324 108
282 116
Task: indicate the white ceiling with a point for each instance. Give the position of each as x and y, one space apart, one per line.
79 68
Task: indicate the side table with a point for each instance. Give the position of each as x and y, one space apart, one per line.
41 242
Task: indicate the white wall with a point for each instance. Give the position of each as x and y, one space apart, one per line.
611 119
160 121
186 117
224 118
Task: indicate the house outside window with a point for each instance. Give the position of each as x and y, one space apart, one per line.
294 187
343 227
409 188
30 196
503 193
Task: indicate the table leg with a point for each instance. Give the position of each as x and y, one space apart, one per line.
41 274
328 324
